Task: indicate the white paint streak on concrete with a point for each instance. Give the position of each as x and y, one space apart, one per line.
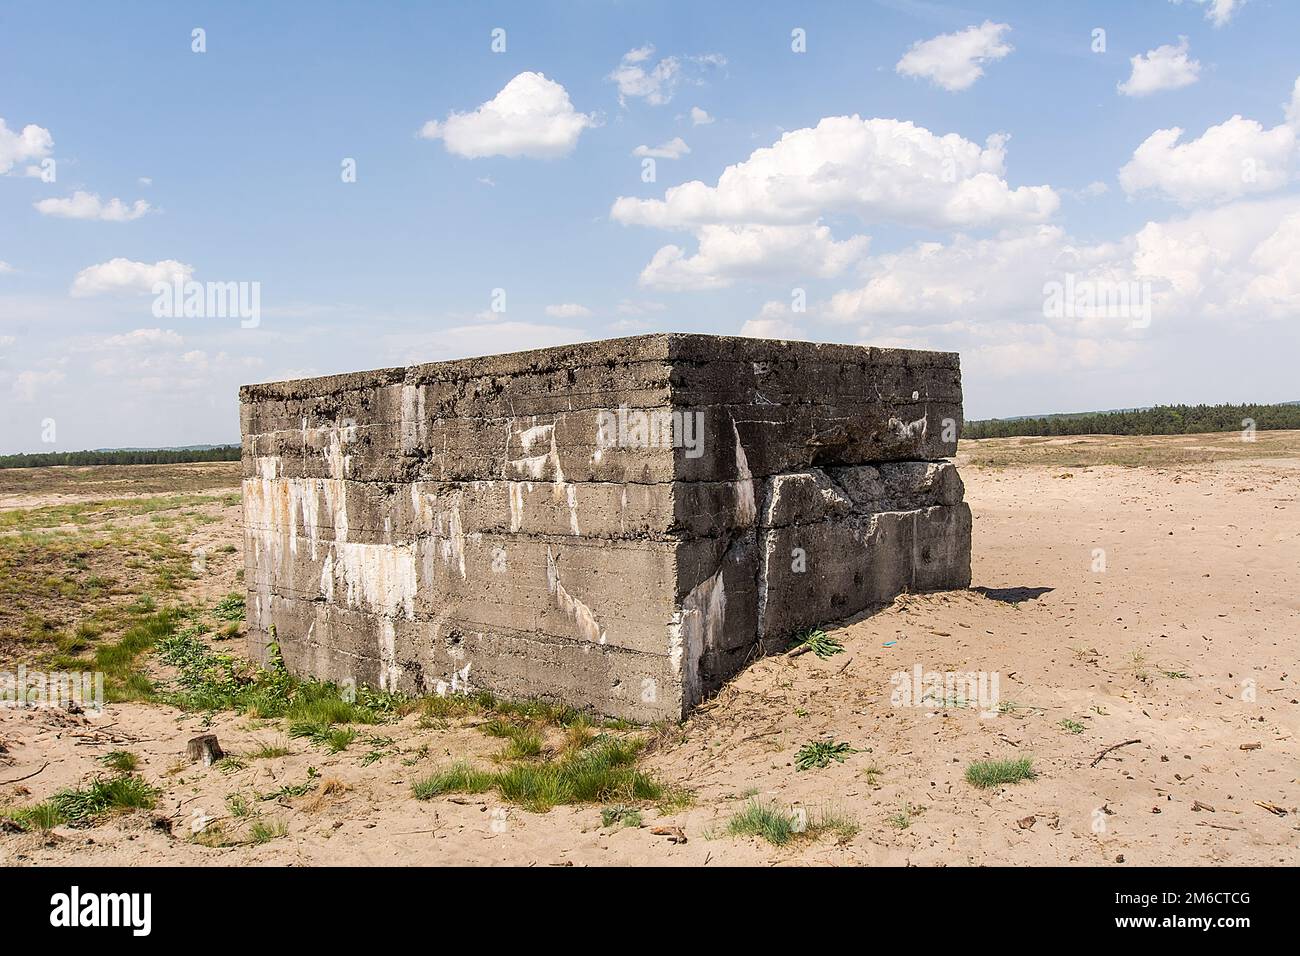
582 616
378 576
745 508
390 671
414 426
571 496
534 467
516 490
907 431
696 627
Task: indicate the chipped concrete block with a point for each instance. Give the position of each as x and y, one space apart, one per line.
620 525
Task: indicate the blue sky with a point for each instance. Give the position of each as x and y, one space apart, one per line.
885 203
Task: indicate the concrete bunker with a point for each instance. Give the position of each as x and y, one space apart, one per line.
619 524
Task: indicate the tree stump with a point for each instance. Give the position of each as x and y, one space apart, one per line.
204 747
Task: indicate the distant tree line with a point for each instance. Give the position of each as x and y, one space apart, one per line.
131 456
1160 420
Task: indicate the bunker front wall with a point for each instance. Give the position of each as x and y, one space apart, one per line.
618 525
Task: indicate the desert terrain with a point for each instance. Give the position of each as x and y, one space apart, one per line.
1138 600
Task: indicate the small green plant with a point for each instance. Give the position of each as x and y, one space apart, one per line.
620 815
994 773
231 763
270 751
820 753
333 739
1071 726
602 771
1177 675
81 807
230 608
295 790
123 761
779 825
460 777
239 805
819 642
903 818
264 831
871 775
765 820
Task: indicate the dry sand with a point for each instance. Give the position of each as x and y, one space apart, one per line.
1188 642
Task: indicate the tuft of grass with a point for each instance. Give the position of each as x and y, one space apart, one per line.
766 820
297 789
820 643
460 777
231 763
270 751
1071 726
83 806
820 753
994 773
239 805
779 825
264 831
334 739
123 761
604 771
903 818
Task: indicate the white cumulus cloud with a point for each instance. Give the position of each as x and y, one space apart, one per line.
531 116
774 321
730 252
675 148
568 310
637 76
142 338
700 117
84 205
125 275
33 143
1236 158
1166 67
877 169
1218 12
27 384
954 61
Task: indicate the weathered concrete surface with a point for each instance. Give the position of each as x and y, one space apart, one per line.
619 524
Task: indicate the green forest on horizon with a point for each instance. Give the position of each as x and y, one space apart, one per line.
1160 420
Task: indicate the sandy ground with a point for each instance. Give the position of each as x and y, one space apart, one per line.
1187 642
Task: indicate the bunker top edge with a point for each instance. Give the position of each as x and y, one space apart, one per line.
664 347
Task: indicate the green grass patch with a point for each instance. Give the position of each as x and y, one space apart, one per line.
604 771
331 737
264 831
780 825
995 773
123 761
229 608
84 806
